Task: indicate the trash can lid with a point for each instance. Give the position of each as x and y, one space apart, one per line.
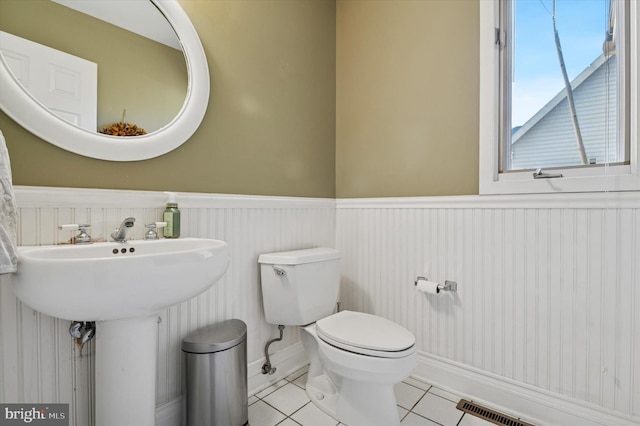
215 337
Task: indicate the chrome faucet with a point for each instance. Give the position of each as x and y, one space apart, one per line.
120 234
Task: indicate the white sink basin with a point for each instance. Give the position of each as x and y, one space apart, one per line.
121 286
110 281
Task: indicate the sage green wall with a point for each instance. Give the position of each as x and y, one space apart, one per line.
270 124
407 98
404 121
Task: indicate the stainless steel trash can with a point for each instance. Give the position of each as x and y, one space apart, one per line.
217 375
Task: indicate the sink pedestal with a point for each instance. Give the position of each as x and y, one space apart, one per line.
126 352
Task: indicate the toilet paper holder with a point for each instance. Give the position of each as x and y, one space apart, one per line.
448 285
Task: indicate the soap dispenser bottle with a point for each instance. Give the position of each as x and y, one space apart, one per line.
172 217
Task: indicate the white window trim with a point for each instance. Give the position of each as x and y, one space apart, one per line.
607 178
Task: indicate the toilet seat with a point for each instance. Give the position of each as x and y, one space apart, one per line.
366 334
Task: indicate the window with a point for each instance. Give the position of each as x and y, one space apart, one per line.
558 96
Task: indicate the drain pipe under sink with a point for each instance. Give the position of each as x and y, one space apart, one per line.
82 332
267 368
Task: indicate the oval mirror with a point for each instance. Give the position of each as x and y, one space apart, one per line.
25 108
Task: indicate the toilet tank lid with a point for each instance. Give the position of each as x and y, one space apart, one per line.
297 257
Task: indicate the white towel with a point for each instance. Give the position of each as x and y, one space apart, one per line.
8 214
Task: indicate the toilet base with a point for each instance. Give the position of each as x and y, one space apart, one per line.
357 390
353 404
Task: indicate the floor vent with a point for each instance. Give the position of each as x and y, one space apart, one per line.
489 415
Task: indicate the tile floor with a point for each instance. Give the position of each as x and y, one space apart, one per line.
419 404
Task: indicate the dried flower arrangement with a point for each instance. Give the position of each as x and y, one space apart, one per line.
122 128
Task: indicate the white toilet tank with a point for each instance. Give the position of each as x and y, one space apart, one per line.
299 286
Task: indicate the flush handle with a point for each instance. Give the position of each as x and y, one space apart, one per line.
279 271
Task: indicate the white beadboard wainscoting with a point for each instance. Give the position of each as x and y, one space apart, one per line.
545 323
40 363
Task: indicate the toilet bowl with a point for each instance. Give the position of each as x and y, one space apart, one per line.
355 359
351 377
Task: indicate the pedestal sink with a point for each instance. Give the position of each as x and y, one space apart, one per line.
121 286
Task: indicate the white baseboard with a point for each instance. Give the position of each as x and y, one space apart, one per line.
286 361
171 413
516 399
532 404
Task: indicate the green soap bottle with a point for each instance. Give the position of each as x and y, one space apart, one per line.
172 217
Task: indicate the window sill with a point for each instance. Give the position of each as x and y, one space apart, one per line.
602 179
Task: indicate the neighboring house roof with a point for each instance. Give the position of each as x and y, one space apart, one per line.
548 139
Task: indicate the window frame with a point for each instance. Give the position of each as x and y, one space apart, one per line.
575 179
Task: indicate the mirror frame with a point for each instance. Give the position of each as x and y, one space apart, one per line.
24 109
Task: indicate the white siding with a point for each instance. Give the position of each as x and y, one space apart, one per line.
551 141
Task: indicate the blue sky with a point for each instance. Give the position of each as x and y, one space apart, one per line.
538 78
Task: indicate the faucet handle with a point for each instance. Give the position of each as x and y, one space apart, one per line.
151 233
73 227
83 237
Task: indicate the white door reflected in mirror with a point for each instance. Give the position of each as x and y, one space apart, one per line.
65 84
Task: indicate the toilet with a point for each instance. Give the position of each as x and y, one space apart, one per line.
355 359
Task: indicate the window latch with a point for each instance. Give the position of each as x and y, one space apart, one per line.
500 38
539 174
